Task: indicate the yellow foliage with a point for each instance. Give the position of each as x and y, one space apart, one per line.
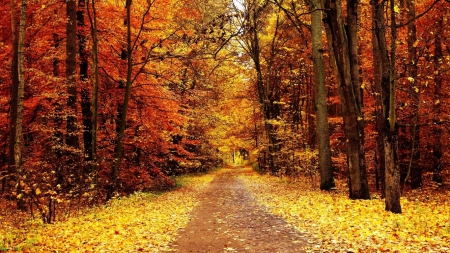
142 222
335 223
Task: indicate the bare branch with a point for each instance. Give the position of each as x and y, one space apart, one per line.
420 15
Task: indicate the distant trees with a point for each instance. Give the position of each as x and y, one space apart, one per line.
369 86
65 153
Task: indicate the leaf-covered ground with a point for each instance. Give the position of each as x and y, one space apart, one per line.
337 224
330 222
142 222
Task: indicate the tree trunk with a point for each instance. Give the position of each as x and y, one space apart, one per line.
438 97
57 137
85 91
266 100
345 65
14 90
118 150
95 81
322 129
388 83
71 69
414 165
20 96
392 173
379 117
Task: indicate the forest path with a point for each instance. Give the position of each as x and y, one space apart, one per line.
228 219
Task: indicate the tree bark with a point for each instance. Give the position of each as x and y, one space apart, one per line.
438 96
85 91
388 83
95 81
414 167
322 129
345 64
71 71
118 151
20 97
266 98
379 117
14 90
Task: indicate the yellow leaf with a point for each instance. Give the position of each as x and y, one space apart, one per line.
416 89
38 191
396 9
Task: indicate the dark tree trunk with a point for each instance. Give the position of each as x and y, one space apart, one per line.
438 96
71 69
57 138
95 81
85 90
388 83
379 120
343 44
123 115
14 89
267 94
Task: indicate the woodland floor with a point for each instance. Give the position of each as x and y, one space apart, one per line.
237 210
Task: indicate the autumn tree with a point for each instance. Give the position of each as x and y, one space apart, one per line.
71 73
323 135
84 81
95 83
123 118
438 97
387 71
14 88
343 43
18 142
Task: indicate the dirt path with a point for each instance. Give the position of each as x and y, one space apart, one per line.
228 219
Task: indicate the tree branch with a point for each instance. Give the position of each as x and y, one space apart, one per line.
420 15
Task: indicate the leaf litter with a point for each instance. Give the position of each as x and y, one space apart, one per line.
336 223
148 222
141 222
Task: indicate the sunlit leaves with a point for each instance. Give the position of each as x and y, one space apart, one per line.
337 223
142 222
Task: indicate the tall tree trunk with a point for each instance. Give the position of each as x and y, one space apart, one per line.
71 71
392 172
379 117
20 96
322 129
85 91
388 83
95 81
415 166
118 150
57 138
14 90
345 65
438 97
265 98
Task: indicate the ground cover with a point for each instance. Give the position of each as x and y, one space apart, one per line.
337 224
142 222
